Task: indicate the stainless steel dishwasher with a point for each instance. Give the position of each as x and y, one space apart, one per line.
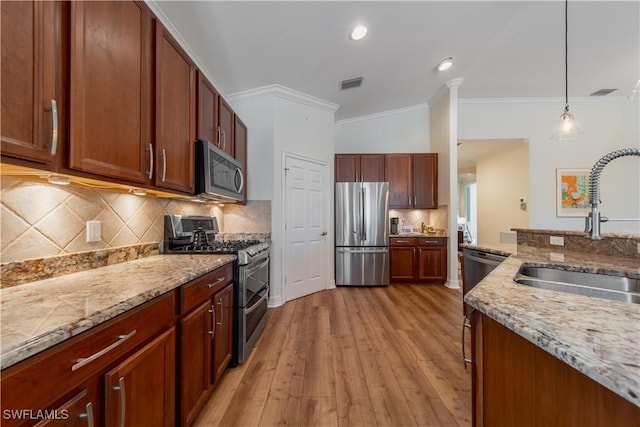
476 265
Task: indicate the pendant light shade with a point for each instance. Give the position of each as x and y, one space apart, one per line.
568 127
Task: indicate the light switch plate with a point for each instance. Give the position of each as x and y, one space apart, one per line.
556 240
93 231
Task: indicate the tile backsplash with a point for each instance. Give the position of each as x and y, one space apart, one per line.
436 218
40 220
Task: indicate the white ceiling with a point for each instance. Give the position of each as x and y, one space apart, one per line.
502 49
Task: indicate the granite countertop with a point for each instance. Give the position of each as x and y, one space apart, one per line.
598 337
38 315
418 234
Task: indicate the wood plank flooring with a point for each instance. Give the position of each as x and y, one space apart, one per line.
352 357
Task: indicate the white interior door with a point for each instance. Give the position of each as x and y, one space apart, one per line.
305 260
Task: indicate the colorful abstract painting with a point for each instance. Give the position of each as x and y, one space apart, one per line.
572 192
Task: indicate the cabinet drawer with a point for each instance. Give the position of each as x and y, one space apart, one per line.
196 291
41 380
432 241
402 241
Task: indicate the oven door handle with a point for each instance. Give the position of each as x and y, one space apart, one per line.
249 270
257 304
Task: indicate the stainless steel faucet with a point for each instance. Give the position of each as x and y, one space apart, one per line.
593 220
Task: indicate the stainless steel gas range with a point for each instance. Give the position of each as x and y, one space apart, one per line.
186 234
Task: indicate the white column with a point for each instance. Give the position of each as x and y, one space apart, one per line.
452 279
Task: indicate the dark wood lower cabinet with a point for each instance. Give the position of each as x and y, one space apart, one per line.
141 390
223 338
516 383
418 259
154 365
196 333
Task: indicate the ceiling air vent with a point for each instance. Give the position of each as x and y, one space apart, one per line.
603 92
351 83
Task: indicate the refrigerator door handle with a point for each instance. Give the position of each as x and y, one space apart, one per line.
363 236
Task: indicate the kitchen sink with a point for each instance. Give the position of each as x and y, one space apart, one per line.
617 288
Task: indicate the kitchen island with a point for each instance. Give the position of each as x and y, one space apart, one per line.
597 337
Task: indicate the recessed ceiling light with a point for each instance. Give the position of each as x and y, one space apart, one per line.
445 64
359 32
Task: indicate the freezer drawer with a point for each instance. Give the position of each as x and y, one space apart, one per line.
362 266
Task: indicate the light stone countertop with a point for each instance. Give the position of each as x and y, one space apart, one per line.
39 315
598 337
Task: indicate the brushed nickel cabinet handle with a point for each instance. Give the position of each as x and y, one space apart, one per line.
218 137
164 165
54 127
88 415
211 285
224 140
221 312
84 361
465 325
150 149
402 241
123 401
212 332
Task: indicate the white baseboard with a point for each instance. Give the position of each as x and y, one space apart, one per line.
452 284
275 302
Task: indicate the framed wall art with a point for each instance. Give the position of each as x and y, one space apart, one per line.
572 192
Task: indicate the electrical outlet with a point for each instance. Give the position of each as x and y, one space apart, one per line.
556 240
93 231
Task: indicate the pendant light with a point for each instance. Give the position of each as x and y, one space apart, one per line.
569 126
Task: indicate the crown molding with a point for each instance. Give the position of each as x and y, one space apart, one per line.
153 5
541 100
382 114
279 91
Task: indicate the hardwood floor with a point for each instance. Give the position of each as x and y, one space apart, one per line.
352 357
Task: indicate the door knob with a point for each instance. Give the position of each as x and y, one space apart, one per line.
324 233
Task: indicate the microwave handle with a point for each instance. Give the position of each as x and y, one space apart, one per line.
238 171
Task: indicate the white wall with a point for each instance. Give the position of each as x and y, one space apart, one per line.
280 121
439 120
608 124
502 179
398 131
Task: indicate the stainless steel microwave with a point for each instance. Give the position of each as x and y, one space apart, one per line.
218 175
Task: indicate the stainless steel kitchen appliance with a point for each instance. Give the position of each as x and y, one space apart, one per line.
218 175
362 233
186 234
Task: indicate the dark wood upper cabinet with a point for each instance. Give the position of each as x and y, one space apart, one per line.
240 150
30 79
207 110
425 181
413 180
360 167
399 174
110 90
175 114
225 124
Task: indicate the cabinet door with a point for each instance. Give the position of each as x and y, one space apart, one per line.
196 333
223 340
140 391
240 151
82 410
29 46
225 122
175 114
432 264
372 167
402 264
399 174
425 181
347 167
207 110
110 89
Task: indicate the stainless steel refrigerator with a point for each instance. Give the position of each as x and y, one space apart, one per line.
362 233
